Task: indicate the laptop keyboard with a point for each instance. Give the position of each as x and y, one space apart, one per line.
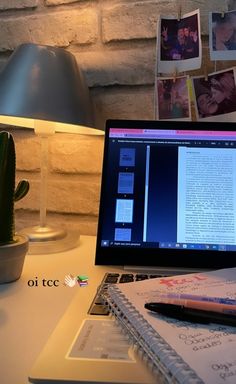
97 307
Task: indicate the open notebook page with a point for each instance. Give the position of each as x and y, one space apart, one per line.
209 350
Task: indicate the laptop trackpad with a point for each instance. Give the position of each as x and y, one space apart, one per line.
100 339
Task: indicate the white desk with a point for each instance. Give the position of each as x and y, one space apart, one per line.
28 315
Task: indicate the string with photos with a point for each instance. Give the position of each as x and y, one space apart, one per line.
176 74
180 13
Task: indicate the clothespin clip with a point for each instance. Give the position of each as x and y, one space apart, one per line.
226 9
179 12
205 73
175 74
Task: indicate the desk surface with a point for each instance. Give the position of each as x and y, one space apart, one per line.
29 314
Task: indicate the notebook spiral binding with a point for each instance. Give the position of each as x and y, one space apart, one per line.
164 362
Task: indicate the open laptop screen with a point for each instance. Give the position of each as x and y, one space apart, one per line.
168 195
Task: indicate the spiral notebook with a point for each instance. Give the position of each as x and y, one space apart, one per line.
181 351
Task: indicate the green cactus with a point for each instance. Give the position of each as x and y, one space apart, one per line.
8 194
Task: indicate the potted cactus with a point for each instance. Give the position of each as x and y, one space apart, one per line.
13 247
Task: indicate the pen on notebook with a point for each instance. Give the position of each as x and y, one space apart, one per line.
189 296
206 303
180 312
220 300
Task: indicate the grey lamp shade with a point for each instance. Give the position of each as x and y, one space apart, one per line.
44 83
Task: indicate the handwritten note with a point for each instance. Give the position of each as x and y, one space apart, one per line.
209 350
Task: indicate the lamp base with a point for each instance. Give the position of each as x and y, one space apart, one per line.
49 239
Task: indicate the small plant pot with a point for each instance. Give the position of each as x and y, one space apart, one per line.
12 258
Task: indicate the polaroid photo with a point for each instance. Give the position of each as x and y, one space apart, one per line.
222 35
172 98
215 96
179 45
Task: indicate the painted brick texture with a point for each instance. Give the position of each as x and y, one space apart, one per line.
114 43
15 4
62 29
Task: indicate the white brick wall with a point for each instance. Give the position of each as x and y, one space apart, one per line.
114 43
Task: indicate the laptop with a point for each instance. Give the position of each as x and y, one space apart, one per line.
167 206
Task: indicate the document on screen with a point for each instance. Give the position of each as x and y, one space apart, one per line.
206 211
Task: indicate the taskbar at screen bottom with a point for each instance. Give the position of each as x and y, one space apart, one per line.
169 245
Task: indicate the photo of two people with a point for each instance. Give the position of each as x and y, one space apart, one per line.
215 97
179 39
179 43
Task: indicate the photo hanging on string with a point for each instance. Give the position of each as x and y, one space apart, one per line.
222 35
179 45
215 97
172 98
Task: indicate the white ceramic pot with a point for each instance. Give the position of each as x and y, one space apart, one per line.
12 258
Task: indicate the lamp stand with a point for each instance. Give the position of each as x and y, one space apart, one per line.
44 238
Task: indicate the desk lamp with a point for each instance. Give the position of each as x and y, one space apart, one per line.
42 88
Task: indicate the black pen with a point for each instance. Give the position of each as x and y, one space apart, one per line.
180 312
